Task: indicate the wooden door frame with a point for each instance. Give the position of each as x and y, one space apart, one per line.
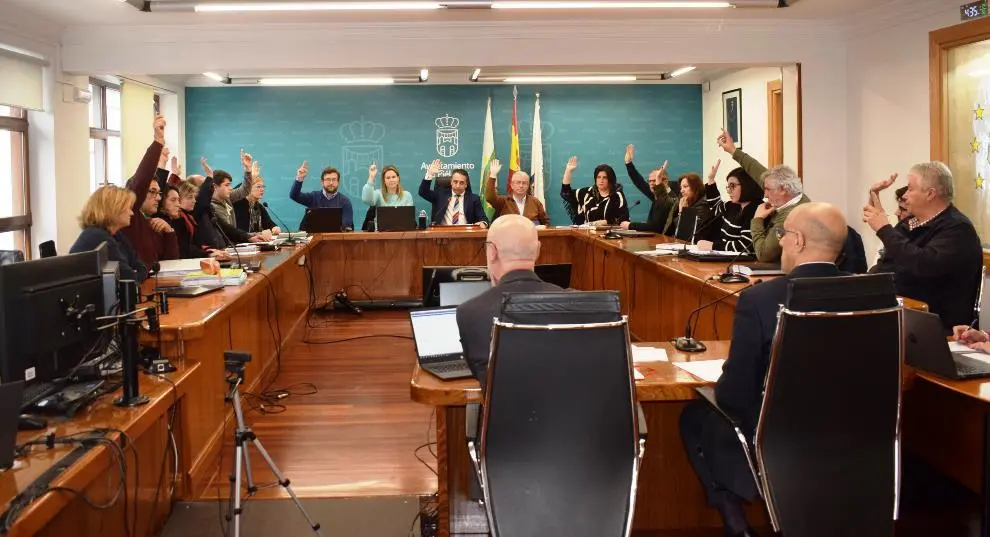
939 44
774 87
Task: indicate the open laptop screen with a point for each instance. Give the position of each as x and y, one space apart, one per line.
435 332
456 293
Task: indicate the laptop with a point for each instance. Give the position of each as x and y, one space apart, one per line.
10 413
323 220
396 218
457 293
926 348
190 292
438 343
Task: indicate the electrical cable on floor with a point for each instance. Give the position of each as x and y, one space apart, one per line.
355 338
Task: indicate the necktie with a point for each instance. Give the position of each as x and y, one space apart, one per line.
454 212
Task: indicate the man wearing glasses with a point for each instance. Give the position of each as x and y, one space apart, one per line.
152 238
810 240
935 254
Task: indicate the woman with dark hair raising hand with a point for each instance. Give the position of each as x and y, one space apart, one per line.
600 204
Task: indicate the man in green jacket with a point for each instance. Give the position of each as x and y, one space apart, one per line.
783 190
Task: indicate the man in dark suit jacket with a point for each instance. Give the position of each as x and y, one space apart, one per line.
511 250
455 206
811 238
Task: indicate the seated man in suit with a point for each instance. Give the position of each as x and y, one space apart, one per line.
810 238
456 207
518 201
935 255
511 251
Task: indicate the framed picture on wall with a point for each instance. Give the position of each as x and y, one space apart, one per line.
732 115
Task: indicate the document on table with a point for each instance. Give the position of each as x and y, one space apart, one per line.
707 370
637 375
955 346
656 253
648 354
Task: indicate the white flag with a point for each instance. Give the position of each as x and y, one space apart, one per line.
487 154
536 164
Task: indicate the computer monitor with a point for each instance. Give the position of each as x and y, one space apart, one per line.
472 281
48 311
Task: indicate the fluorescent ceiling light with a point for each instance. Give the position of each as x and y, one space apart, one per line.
682 71
213 76
527 4
315 6
475 75
568 78
424 75
366 81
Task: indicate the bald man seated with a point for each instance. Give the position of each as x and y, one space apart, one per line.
511 251
811 238
518 201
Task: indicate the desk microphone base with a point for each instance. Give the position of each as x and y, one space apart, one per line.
689 344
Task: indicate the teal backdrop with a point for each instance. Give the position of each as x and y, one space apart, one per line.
409 126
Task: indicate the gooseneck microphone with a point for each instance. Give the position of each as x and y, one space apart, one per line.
688 343
292 240
240 264
731 276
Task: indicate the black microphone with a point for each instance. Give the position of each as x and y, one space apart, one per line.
731 276
240 264
635 204
688 343
292 239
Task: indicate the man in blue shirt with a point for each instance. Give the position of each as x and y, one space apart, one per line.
328 197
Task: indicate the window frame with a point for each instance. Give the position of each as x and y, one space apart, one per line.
18 122
102 132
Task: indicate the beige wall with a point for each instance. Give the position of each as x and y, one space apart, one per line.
137 115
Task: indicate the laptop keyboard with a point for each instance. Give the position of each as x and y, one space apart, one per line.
970 367
448 367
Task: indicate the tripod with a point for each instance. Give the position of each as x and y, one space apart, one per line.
242 460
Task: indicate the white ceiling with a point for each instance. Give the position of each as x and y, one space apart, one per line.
115 12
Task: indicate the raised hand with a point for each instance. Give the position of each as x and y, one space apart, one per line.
873 213
372 172
572 164
163 158
714 172
160 129
246 160
302 172
176 167
434 168
726 142
630 153
207 170
883 184
494 166
255 169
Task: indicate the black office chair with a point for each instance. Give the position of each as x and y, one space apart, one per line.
8 257
826 451
369 220
562 436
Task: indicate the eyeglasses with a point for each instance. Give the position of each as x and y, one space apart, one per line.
155 193
780 232
731 186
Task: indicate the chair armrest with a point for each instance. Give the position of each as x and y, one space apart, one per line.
642 421
471 412
708 394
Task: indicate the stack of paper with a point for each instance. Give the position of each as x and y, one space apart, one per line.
677 247
178 267
656 253
648 354
245 250
707 370
226 276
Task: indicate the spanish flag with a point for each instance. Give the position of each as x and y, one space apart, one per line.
514 164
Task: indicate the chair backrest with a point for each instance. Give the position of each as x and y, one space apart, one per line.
827 441
369 220
843 293
559 433
562 307
11 256
982 314
852 258
47 249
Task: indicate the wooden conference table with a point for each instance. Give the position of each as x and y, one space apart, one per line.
260 316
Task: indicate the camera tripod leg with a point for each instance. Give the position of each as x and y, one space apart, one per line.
284 483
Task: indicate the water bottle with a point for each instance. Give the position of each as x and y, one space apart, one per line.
422 219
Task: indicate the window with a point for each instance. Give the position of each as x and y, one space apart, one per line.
15 202
104 135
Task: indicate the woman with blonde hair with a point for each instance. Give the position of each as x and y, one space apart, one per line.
107 211
390 195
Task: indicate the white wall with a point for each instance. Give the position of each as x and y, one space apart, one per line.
889 122
755 130
137 116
